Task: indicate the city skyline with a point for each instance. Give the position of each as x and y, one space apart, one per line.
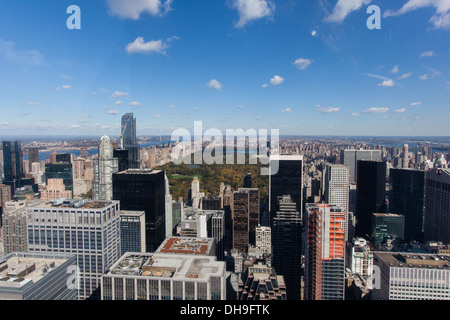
305 68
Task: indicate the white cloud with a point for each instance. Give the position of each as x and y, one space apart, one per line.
118 94
67 87
240 107
302 63
405 76
132 9
314 33
25 114
196 109
259 118
434 73
327 109
27 58
265 85
276 80
250 10
118 103
440 19
157 116
93 93
75 126
287 110
65 77
140 46
415 104
354 114
135 104
427 54
400 110
113 112
345 7
36 104
386 83
171 107
394 69
214 84
376 110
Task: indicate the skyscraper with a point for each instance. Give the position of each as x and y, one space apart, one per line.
128 141
350 158
143 190
12 164
337 189
245 210
287 245
88 229
387 225
287 180
33 156
324 252
105 165
370 194
132 231
437 208
60 171
407 197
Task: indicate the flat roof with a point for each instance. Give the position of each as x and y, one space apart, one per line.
17 271
186 245
139 171
415 260
167 266
83 204
132 213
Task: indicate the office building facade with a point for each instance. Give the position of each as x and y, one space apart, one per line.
132 231
350 158
129 142
105 165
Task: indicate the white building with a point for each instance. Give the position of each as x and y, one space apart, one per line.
104 167
361 258
411 276
263 242
88 229
163 276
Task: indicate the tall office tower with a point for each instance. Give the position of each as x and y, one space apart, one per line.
105 165
168 208
88 229
177 213
407 197
165 276
287 245
55 189
324 252
33 157
387 225
122 157
337 189
361 258
405 157
14 228
411 276
132 231
350 158
37 276
78 168
370 194
128 137
263 242
245 210
437 208
84 153
143 190
12 164
60 171
262 283
216 230
5 196
248 181
53 157
196 195
286 178
63 158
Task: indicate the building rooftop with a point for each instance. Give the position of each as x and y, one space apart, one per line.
72 203
132 213
168 266
184 245
388 215
139 171
20 269
415 260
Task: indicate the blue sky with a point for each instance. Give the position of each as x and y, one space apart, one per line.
304 67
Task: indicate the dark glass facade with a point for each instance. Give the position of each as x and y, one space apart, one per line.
370 194
12 169
407 197
143 190
128 136
60 171
122 156
387 225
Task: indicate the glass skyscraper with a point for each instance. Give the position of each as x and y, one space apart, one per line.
128 137
12 164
